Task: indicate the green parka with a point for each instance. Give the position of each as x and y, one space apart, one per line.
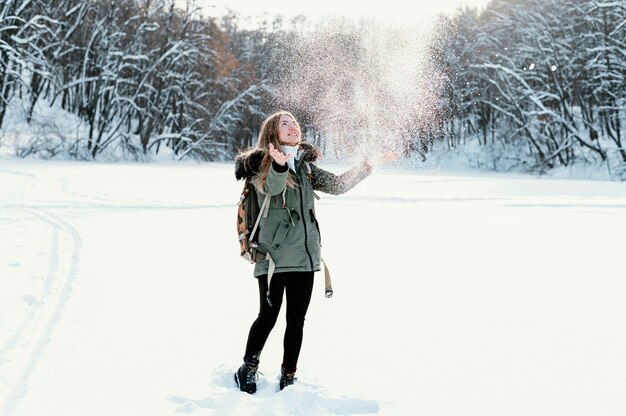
291 233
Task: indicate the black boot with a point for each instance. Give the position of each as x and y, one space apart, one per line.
246 378
286 379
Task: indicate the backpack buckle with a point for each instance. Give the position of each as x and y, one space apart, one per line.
256 255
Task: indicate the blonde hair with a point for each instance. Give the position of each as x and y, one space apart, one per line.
269 134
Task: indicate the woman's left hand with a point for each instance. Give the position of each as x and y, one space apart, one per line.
278 156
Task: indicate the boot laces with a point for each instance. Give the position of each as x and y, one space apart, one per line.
289 378
252 375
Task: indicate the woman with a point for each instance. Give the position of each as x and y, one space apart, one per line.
282 166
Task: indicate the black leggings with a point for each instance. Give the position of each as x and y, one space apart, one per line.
299 286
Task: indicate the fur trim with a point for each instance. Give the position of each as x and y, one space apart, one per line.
311 153
248 165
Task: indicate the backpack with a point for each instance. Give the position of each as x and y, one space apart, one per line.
248 219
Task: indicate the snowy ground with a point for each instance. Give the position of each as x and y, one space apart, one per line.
121 293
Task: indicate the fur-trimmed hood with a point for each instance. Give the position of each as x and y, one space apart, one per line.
247 165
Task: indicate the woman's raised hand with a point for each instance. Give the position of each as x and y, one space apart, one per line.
278 156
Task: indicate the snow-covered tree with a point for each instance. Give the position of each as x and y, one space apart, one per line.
543 78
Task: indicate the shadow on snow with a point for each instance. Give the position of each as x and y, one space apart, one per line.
300 399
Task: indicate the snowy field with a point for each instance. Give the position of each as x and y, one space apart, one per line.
122 294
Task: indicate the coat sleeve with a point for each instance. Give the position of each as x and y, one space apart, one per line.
276 180
330 183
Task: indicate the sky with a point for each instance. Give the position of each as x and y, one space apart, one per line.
404 11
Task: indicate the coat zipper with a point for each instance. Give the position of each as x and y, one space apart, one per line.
306 243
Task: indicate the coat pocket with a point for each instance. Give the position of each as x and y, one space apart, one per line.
281 233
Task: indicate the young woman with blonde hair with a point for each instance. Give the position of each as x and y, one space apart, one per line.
283 167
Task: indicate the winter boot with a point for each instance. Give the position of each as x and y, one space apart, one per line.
286 379
246 378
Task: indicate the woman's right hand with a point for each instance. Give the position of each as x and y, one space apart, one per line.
278 156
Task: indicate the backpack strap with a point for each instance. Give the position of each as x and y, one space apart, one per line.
272 266
329 287
270 273
262 213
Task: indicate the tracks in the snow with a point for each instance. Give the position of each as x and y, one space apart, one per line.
22 350
30 332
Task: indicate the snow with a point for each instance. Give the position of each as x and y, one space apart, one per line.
456 293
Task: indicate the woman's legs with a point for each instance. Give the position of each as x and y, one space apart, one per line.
299 290
299 287
265 321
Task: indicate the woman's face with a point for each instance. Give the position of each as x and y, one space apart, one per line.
288 131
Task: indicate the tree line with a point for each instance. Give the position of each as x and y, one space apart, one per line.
142 75
534 84
537 84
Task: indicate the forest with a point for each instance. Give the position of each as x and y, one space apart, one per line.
529 85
